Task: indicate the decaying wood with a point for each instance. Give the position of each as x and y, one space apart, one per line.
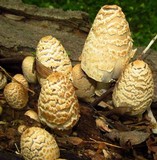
22 26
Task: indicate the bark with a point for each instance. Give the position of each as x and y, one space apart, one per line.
22 26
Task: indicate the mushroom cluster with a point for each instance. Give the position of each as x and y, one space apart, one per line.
38 144
58 106
135 88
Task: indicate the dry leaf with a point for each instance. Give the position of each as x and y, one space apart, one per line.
128 138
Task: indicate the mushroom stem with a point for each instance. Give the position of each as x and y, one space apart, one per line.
152 120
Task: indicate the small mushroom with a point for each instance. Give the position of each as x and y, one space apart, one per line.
28 69
16 95
85 86
21 128
51 57
32 114
20 78
58 106
38 144
108 47
3 80
135 88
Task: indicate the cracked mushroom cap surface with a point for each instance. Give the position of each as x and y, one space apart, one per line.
52 57
135 88
15 95
28 69
108 47
3 80
38 144
58 106
85 86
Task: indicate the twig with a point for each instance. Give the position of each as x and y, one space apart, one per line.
106 143
99 99
16 80
147 48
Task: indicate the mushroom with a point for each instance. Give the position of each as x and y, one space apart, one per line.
32 114
3 80
21 128
85 86
135 88
51 57
58 106
108 47
38 144
16 95
20 78
28 69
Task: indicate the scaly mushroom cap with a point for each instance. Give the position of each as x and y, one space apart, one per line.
28 70
20 78
15 95
51 54
85 86
135 88
3 80
37 144
108 47
58 106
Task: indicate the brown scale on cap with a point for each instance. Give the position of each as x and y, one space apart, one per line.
37 144
108 47
135 88
52 57
16 95
58 106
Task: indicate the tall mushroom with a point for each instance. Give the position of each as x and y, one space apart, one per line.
135 88
108 47
58 106
51 57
